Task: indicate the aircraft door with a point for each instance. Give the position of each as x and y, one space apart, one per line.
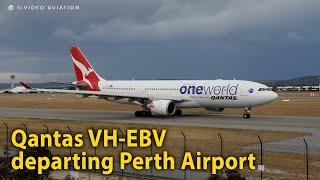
244 90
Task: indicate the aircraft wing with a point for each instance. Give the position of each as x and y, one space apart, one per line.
141 95
65 83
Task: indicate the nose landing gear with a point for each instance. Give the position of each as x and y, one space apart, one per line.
246 114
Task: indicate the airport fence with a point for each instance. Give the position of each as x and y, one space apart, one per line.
273 160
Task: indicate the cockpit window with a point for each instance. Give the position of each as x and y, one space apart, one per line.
265 89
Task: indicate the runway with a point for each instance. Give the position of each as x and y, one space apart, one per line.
275 123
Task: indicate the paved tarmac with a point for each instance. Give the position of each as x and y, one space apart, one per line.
276 123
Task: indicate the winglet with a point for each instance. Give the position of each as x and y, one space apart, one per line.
27 86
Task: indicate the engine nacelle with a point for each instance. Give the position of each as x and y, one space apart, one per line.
218 109
162 107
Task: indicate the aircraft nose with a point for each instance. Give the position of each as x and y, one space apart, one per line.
273 96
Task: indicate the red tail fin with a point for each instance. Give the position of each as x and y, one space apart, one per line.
84 71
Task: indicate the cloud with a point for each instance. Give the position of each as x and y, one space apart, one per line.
183 38
65 33
33 62
294 36
188 19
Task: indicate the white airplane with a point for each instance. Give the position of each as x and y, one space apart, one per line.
16 90
167 97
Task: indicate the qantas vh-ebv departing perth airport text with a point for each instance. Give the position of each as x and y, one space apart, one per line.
166 97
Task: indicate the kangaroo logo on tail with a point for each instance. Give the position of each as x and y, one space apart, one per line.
84 71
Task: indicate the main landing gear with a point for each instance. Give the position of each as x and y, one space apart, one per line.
143 113
178 112
246 114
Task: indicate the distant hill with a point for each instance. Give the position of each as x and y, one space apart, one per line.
299 81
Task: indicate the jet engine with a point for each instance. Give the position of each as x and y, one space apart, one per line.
162 107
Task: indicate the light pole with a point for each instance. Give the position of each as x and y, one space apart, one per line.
70 131
12 77
95 148
47 131
261 160
151 168
184 150
221 151
26 128
7 146
121 145
307 157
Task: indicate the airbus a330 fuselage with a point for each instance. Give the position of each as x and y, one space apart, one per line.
213 95
168 97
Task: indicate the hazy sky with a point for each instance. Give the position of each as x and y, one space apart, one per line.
162 39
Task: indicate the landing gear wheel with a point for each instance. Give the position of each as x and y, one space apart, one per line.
148 113
246 116
138 114
178 112
142 114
